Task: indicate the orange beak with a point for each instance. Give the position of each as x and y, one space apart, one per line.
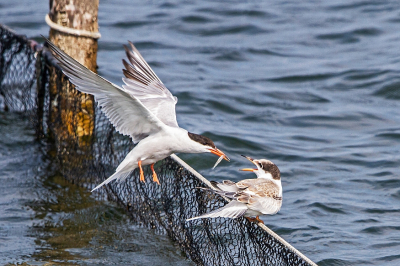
249 169
219 153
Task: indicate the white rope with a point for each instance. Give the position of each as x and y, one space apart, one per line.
261 225
283 241
190 169
82 33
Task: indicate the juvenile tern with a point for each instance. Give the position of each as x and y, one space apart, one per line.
250 197
143 109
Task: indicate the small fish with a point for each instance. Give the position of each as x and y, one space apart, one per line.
218 161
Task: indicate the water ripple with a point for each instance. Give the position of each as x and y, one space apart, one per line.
390 91
196 19
379 230
304 78
381 211
230 56
234 13
327 208
248 29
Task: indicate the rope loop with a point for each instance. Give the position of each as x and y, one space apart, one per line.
82 33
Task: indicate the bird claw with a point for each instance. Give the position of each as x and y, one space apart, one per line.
142 177
155 178
141 171
257 219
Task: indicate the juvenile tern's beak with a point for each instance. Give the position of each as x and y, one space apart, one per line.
249 169
219 153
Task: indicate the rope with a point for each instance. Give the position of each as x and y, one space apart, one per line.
82 33
261 225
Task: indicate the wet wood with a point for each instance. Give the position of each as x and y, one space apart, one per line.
74 110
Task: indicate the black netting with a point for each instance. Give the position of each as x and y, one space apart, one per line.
88 149
17 72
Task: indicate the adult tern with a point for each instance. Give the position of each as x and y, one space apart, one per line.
143 108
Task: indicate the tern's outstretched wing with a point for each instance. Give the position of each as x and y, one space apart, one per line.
233 209
142 83
128 115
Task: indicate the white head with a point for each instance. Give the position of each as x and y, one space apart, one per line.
203 144
265 169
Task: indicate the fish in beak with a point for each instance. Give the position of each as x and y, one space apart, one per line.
219 153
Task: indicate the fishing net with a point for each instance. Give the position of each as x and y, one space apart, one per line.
88 149
17 72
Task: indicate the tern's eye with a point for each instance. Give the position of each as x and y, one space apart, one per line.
261 166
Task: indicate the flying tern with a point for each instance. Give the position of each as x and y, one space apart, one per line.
143 108
250 197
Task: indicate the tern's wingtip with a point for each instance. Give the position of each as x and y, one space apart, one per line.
126 48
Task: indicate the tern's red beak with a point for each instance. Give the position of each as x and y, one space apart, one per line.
219 153
249 169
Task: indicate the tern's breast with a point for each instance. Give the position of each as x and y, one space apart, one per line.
158 146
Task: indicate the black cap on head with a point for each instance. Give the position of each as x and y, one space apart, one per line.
202 140
270 167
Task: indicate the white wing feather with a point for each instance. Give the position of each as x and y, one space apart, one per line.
233 209
128 114
265 205
141 82
226 186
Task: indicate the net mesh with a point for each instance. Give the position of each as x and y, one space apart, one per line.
17 72
88 149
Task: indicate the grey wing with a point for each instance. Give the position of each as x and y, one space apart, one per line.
226 185
128 115
266 205
262 196
141 82
233 209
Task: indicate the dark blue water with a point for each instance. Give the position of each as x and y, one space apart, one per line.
312 86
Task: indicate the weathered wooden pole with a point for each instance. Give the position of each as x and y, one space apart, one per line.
74 28
71 121
80 15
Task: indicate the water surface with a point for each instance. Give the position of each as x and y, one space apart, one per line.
312 86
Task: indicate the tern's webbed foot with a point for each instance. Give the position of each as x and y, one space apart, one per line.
256 220
259 220
141 171
155 178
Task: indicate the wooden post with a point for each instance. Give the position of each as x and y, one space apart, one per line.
71 113
75 109
80 15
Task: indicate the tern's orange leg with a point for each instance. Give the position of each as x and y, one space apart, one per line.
141 171
257 219
250 219
155 178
